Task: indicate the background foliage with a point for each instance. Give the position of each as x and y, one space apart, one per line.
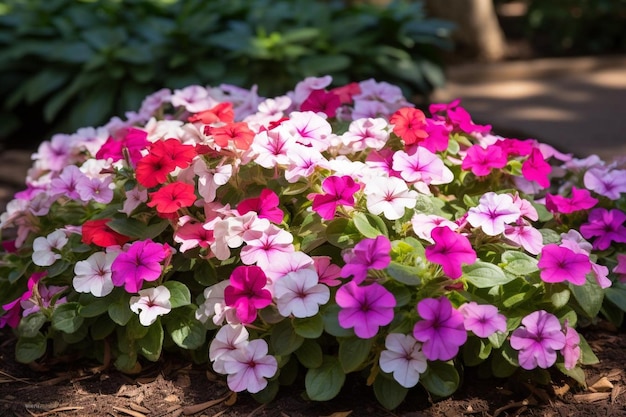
65 64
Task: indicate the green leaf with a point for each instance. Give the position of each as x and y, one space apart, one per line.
309 327
30 325
91 306
134 329
559 299
325 64
577 373
342 233
65 317
408 275
268 393
587 357
120 311
101 328
283 339
475 351
310 354
485 275
325 382
353 351
589 296
519 263
186 331
151 344
43 83
617 295
369 225
388 392
441 379
29 349
331 322
179 293
134 228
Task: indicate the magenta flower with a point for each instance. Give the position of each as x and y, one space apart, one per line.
581 199
321 101
141 261
606 225
246 292
620 268
482 160
558 264
367 254
266 206
538 340
364 308
441 329
339 191
535 168
450 250
482 319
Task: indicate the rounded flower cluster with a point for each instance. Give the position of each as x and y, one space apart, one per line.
325 231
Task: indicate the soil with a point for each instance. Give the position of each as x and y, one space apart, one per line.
173 388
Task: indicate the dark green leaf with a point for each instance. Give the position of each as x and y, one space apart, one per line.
134 228
186 331
309 327
325 382
150 345
388 392
283 338
310 354
441 379
29 349
65 317
30 325
589 296
353 352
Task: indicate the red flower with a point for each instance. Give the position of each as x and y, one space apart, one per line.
181 155
346 92
239 133
152 170
222 112
172 197
409 125
98 233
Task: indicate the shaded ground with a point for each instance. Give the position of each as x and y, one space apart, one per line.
171 388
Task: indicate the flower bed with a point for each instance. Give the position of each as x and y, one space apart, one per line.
319 233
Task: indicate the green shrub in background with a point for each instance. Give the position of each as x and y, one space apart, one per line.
567 27
66 64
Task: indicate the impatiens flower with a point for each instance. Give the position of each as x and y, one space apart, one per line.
606 226
571 351
274 242
249 367
271 147
192 233
153 170
98 233
482 319
299 293
221 112
320 101
151 303
389 196
366 133
610 183
409 124
404 358
45 249
441 329
93 275
482 160
134 198
309 129
364 308
423 225
535 168
525 236
581 199
68 182
13 309
493 212
172 197
42 297
339 191
246 292
421 165
620 268
215 307
134 141
450 250
237 133
228 339
327 272
538 340
266 206
140 262
367 254
558 264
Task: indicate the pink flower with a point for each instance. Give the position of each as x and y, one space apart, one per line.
450 250
581 199
151 303
423 225
620 268
339 192
69 182
482 160
367 254
300 294
246 292
274 242
328 272
249 366
421 165
389 196
404 358
13 309
441 329
538 340
558 264
493 212
482 319
535 168
364 308
571 351
526 236
321 101
610 183
266 206
606 225
228 339
141 261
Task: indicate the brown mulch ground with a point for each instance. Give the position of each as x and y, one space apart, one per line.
172 388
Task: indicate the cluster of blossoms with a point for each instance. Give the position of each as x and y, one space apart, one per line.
330 229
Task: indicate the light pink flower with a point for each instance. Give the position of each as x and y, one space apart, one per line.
151 303
228 339
249 367
300 294
482 319
493 212
538 340
367 133
526 236
273 243
45 249
309 129
404 358
389 196
422 165
610 183
423 225
571 351
271 147
93 275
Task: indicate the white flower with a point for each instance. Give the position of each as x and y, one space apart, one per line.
93 275
493 212
403 358
214 305
249 366
299 293
228 339
151 303
389 196
43 254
